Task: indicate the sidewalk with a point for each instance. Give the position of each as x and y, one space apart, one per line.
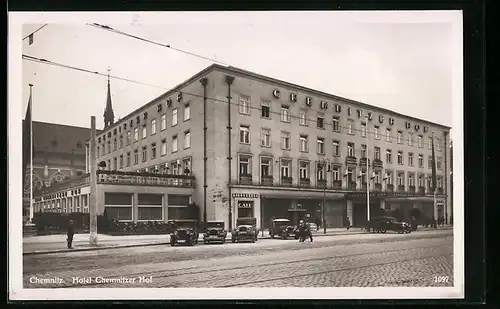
57 243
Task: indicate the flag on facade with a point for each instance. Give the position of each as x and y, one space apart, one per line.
30 38
434 177
26 139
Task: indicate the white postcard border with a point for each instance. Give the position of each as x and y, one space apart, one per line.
16 113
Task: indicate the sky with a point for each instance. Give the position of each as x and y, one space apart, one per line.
402 66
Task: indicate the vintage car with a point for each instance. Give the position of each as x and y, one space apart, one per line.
282 228
214 232
385 223
184 231
246 230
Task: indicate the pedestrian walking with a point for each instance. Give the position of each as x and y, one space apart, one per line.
347 223
318 223
71 232
308 230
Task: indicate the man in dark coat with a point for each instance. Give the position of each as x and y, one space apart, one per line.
71 232
308 229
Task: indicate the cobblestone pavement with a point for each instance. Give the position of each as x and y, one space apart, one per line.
417 259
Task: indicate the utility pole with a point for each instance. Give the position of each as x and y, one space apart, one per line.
367 176
326 169
93 184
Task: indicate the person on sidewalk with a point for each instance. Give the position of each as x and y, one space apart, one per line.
71 232
318 223
347 223
308 230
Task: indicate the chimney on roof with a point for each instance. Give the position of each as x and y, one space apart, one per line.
109 116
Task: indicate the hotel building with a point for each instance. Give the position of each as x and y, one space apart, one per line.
240 144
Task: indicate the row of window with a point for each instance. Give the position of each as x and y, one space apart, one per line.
173 167
265 141
76 202
244 108
304 171
128 138
153 150
285 139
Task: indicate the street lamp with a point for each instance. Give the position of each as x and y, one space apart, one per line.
325 162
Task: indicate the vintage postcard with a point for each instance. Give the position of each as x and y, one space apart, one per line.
236 155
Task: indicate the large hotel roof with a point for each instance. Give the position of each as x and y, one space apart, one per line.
245 73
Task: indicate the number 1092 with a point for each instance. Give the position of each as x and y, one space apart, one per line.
441 279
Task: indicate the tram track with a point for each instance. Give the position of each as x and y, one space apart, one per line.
65 262
326 272
195 270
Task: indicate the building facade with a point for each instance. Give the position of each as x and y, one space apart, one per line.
261 147
58 155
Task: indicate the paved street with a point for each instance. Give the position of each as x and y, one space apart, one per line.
344 260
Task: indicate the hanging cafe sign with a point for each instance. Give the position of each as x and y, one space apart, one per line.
245 204
338 108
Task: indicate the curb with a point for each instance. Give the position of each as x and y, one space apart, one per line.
95 249
167 243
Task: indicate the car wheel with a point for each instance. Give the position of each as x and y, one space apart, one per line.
383 231
205 242
172 243
401 232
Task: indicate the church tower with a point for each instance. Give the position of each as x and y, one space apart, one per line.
109 116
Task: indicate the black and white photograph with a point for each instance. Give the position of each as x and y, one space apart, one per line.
236 155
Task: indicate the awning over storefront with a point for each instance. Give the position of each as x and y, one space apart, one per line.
396 196
423 199
303 195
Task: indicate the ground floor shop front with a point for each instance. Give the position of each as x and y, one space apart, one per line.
268 204
122 202
341 208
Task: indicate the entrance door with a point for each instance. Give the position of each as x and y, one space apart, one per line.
360 214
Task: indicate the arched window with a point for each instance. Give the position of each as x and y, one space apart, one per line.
57 177
37 182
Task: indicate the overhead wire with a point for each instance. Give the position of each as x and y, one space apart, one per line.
40 28
250 107
45 61
110 29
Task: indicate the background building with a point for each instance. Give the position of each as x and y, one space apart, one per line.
259 147
59 154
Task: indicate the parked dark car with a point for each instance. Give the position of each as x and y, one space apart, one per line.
282 228
184 231
384 224
214 232
246 230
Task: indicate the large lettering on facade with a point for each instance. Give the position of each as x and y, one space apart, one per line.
338 109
